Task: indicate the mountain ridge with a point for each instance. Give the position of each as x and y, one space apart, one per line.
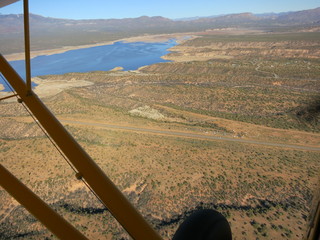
48 32
306 15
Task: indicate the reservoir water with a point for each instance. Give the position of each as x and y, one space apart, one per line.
129 56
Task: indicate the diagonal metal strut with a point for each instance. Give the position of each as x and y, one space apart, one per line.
131 220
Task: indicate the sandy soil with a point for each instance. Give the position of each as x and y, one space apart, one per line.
47 88
180 37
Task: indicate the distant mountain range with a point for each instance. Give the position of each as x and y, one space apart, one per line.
274 16
12 22
53 32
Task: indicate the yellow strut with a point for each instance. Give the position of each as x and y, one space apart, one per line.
27 44
38 208
111 196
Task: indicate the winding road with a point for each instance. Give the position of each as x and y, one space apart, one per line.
190 135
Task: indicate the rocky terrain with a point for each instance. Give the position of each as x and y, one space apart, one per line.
236 89
244 48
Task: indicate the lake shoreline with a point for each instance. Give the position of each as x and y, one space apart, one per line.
145 38
43 88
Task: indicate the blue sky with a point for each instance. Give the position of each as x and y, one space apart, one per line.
93 9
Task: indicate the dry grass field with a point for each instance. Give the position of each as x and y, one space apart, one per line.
251 93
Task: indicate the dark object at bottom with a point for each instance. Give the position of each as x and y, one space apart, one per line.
204 224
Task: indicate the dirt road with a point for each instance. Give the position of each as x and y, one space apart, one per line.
190 135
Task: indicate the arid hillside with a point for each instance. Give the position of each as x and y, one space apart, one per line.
231 124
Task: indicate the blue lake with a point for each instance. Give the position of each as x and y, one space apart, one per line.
129 56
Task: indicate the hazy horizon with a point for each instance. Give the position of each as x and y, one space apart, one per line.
168 9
